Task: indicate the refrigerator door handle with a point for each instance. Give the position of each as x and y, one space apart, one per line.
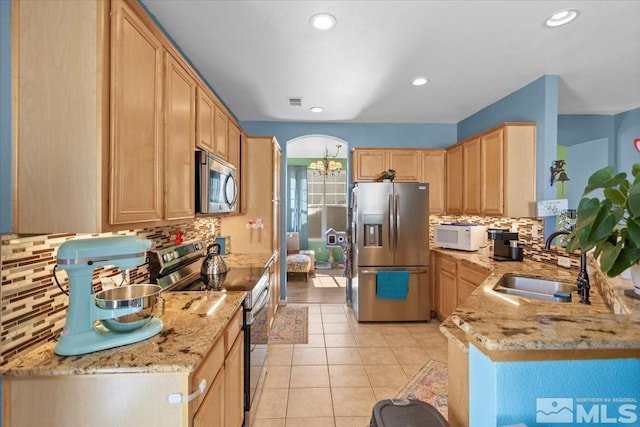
395 225
392 230
376 271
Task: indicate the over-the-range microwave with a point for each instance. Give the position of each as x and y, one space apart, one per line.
459 235
216 185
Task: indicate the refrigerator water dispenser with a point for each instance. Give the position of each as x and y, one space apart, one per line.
372 229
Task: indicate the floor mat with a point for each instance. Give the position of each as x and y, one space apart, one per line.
430 384
291 326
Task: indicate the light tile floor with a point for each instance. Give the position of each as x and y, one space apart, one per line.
346 367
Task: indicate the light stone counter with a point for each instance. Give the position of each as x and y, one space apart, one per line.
247 260
501 322
193 321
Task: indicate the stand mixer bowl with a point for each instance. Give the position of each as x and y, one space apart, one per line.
145 296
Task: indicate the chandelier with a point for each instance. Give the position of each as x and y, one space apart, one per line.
327 166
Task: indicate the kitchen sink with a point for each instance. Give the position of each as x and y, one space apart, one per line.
535 287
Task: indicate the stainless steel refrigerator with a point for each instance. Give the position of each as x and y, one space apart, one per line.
390 232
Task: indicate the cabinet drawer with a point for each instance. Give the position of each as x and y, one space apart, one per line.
207 370
448 264
232 331
472 275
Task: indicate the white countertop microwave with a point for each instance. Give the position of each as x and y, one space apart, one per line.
461 236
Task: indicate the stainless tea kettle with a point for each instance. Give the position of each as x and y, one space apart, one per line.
213 263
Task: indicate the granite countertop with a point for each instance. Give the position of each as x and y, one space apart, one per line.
193 321
499 321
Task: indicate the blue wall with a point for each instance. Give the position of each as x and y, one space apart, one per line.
5 117
627 128
506 393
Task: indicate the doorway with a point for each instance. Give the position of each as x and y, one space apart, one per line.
317 201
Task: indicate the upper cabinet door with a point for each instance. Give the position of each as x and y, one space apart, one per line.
221 129
471 177
406 163
434 172
180 105
368 164
136 106
492 185
455 185
204 123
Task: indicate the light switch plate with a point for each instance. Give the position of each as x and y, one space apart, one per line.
564 261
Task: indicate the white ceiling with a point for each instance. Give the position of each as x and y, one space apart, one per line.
257 54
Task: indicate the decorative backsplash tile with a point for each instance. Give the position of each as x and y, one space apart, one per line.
34 309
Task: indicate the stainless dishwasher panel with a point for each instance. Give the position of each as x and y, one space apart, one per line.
368 307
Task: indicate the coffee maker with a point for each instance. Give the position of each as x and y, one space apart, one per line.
506 246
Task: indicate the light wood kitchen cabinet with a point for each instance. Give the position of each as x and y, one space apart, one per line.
205 121
221 129
471 177
179 162
446 275
508 159
369 163
469 278
455 183
136 117
212 411
234 146
454 281
63 154
234 384
434 172
108 140
260 198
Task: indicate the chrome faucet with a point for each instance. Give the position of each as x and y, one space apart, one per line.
583 276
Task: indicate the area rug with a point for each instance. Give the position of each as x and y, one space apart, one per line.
291 326
429 384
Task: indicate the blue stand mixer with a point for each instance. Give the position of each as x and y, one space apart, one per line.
79 257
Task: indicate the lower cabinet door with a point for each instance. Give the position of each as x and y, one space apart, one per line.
211 411
234 384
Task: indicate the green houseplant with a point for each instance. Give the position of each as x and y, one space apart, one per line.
610 225
389 174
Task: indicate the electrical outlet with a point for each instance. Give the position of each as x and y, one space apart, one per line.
564 261
534 231
514 227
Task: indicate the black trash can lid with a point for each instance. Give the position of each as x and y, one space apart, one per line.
406 413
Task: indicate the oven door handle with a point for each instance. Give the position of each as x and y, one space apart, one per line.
261 301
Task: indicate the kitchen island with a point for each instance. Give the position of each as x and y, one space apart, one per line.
130 385
521 350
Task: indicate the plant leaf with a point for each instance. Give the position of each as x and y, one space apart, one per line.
633 200
635 170
608 256
604 178
633 228
616 195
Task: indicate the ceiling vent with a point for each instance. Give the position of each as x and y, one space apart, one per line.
295 102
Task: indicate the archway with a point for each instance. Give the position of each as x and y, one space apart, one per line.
316 200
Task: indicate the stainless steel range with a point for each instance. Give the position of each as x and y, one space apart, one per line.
177 269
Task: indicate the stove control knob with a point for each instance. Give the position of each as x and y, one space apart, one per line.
174 255
165 257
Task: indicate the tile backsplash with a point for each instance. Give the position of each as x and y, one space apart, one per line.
34 309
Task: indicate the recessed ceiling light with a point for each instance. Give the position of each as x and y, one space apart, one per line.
323 21
562 17
420 81
316 109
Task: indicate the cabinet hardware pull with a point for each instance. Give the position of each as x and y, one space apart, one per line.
179 398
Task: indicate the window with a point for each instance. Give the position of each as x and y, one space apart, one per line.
327 198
